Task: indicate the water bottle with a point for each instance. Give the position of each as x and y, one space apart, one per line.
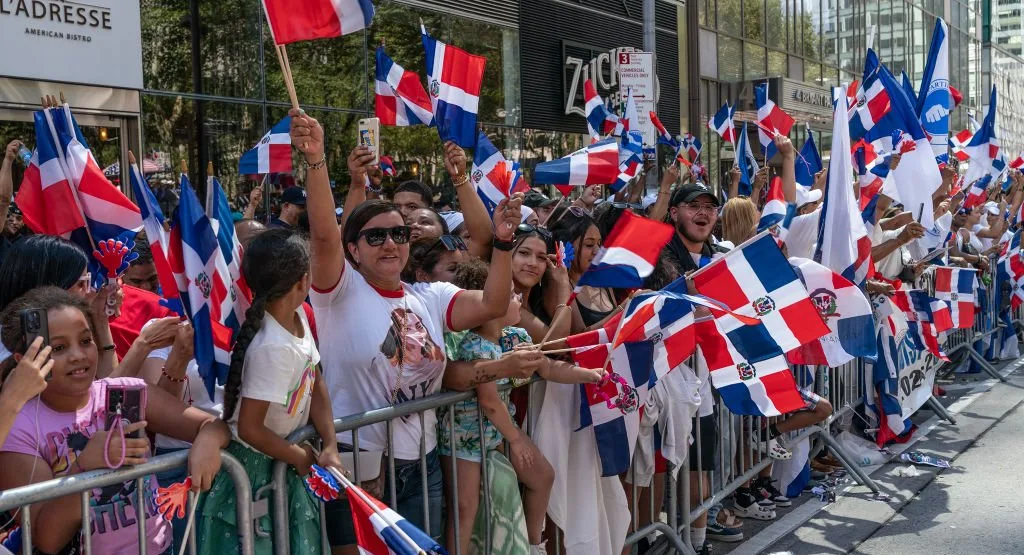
25 155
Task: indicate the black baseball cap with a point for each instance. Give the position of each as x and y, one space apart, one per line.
535 199
294 195
690 192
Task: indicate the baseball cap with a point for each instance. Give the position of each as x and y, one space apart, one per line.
535 199
690 192
453 219
294 195
806 196
992 208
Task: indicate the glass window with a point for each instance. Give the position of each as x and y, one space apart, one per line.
775 26
730 17
812 73
777 64
166 46
754 61
810 27
327 72
229 48
730 59
753 20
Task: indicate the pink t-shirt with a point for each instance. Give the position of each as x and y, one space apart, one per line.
61 437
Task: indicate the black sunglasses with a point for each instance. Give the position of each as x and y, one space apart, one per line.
539 230
375 236
450 242
629 205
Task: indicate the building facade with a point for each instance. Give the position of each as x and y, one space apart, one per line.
1004 67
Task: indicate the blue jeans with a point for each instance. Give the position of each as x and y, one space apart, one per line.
165 479
409 496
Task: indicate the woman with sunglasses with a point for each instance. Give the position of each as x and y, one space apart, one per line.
381 338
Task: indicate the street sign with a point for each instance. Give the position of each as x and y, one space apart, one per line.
636 74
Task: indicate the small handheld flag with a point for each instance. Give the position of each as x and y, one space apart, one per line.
273 154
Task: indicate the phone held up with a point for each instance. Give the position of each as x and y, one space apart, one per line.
369 136
127 403
35 324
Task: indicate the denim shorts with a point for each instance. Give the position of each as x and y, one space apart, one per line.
409 496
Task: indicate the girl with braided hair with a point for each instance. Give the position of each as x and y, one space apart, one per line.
273 388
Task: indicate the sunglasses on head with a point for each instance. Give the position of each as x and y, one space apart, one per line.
375 236
449 242
530 228
627 205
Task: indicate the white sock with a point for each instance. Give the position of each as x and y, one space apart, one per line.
697 536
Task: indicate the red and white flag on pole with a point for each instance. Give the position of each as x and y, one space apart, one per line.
292 21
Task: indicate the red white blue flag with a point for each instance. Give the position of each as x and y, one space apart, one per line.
847 312
777 213
401 99
316 19
771 118
959 141
664 137
273 154
756 280
868 104
455 77
387 166
600 120
596 164
722 123
957 287
153 222
494 177
232 308
46 197
628 254
376 532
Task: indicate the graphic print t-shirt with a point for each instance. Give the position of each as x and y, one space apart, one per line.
62 437
381 348
280 368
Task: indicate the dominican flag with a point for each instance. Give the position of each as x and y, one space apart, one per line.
232 308
771 118
935 101
692 146
983 149
600 120
316 19
664 137
746 162
387 166
959 141
376 533
596 164
956 286
921 307
843 242
756 280
977 194
46 196
808 163
631 158
492 175
401 99
844 308
193 258
869 103
628 254
153 223
777 211
722 123
455 77
273 154
753 379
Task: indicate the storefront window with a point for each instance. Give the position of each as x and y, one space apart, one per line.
229 48
730 59
754 62
810 26
777 64
776 23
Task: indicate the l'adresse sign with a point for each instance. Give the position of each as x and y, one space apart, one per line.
94 42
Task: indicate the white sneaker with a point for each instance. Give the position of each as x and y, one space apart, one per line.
777 451
746 505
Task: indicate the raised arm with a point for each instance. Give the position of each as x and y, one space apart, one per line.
7 177
473 308
255 200
328 259
660 207
477 222
360 166
785 147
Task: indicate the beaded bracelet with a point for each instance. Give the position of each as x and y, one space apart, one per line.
183 379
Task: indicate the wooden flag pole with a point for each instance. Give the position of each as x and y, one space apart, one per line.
286 72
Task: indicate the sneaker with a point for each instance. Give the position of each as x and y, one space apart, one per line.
745 505
765 488
704 549
723 534
776 449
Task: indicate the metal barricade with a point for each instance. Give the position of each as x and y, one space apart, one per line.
83 484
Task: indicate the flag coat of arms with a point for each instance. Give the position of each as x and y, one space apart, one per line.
273 154
401 99
957 287
756 280
846 311
316 19
596 164
455 77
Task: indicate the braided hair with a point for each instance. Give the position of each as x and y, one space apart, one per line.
275 261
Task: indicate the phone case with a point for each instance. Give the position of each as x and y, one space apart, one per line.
131 400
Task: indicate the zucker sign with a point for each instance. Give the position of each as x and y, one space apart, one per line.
93 42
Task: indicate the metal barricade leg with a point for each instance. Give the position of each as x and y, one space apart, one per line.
940 410
848 462
984 364
243 509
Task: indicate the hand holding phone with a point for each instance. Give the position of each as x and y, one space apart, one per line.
126 405
34 323
369 136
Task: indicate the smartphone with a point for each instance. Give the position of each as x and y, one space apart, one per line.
34 324
127 402
369 136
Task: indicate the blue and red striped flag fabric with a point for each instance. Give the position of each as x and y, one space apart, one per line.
628 254
232 308
600 120
722 123
455 77
387 166
376 533
273 154
771 118
664 137
46 197
153 222
494 177
756 280
777 213
401 99
957 287
596 164
846 311
316 19
631 158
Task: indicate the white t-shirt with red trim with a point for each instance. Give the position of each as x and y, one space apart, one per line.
379 348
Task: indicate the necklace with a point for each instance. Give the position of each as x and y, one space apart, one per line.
400 349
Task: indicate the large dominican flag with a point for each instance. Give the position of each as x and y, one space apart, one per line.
596 164
455 77
628 254
292 21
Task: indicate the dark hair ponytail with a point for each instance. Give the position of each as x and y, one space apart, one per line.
274 262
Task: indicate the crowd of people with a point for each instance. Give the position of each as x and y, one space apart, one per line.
382 301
